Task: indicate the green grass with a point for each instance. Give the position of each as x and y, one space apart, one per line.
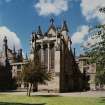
49 100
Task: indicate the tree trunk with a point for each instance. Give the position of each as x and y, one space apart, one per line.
29 90
35 87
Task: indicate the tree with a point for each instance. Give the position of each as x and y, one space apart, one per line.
6 80
97 54
33 74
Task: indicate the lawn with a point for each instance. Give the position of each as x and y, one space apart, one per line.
49 100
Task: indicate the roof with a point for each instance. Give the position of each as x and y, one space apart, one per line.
52 26
65 27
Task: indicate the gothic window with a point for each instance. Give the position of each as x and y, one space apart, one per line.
49 35
18 66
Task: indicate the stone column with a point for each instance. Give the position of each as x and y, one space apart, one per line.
42 55
57 56
57 65
48 57
22 85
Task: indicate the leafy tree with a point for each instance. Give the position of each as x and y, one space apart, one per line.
6 80
33 74
97 54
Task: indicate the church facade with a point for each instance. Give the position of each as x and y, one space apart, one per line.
55 52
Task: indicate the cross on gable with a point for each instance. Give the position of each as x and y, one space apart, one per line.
52 20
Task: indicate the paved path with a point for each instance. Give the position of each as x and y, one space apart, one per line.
74 94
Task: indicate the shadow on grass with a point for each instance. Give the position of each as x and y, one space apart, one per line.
46 96
9 103
102 99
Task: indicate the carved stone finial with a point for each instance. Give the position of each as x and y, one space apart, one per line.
52 21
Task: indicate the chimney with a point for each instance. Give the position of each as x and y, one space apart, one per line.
20 57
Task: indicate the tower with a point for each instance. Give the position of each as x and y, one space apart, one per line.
14 54
65 34
7 64
5 47
64 29
6 81
20 56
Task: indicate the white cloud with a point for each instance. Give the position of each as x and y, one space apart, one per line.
55 7
90 9
82 37
13 39
78 37
8 1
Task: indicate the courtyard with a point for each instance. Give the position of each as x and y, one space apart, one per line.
83 98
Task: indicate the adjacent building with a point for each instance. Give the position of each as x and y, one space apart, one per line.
15 60
89 69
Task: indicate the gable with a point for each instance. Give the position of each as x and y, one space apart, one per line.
51 32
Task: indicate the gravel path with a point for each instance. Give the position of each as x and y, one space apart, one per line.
74 94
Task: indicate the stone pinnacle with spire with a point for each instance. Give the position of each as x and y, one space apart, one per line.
65 27
5 46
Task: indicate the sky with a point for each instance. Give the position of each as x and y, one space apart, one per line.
19 18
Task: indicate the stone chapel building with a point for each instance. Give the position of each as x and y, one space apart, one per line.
55 53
